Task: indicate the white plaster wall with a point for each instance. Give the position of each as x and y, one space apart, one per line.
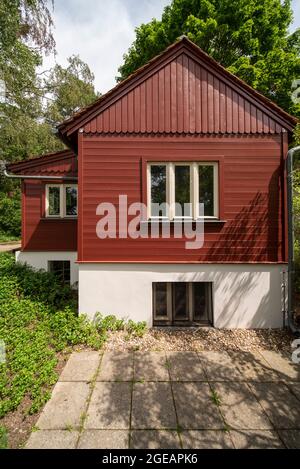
244 296
39 260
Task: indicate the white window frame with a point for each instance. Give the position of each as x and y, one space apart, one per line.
65 200
48 215
168 177
62 201
194 189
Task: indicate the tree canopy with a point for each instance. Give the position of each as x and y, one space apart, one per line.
33 102
249 37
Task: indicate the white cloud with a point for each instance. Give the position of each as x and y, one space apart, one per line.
100 32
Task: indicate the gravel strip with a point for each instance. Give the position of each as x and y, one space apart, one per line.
193 339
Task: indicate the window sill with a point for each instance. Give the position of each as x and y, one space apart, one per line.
182 220
58 218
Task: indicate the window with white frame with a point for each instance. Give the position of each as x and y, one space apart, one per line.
61 200
175 190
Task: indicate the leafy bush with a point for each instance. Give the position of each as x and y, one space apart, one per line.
34 331
10 214
111 323
108 323
40 285
137 329
38 319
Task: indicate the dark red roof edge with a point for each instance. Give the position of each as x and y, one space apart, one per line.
36 161
75 121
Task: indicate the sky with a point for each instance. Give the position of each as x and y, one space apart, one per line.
101 31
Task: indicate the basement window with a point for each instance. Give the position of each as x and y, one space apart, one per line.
61 200
61 270
182 303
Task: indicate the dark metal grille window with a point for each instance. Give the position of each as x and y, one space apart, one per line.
61 269
182 303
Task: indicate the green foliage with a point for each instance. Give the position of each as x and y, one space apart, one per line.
137 329
296 210
3 438
37 319
10 213
71 88
110 323
250 38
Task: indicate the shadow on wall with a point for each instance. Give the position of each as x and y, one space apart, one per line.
254 232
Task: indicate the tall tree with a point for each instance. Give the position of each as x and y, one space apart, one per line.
70 89
249 37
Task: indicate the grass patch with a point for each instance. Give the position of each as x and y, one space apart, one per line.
215 398
3 438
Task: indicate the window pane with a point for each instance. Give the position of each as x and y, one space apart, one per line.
158 189
54 201
199 301
160 306
206 189
61 269
71 201
180 301
182 190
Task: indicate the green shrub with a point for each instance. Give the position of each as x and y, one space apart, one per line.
111 323
137 329
108 323
38 319
34 331
40 285
10 213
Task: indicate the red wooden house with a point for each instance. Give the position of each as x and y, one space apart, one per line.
180 130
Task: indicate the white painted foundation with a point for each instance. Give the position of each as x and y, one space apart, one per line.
244 295
39 260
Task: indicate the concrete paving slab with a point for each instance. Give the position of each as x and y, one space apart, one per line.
295 388
116 366
81 366
281 406
152 406
219 366
240 408
154 439
150 366
66 406
206 439
253 367
185 366
256 439
52 439
291 438
282 364
104 439
195 408
109 406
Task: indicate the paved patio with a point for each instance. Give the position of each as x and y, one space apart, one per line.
173 400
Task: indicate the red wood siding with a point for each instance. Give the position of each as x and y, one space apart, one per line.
184 96
251 197
40 233
44 234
